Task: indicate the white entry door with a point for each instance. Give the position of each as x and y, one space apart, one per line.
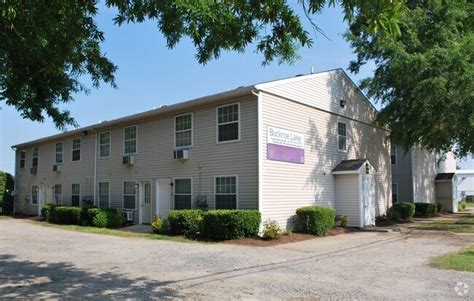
368 200
163 197
145 202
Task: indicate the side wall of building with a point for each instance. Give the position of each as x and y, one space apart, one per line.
424 174
288 186
402 175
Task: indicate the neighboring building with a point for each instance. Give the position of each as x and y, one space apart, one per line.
271 147
464 185
422 176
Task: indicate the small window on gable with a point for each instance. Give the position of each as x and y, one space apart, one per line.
228 118
58 158
341 136
76 149
22 158
393 154
34 157
130 140
104 145
183 130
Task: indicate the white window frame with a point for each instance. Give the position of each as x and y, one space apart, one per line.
37 195
108 192
136 140
398 195
236 189
175 132
60 201
395 154
72 150
174 191
109 144
338 136
56 152
33 156
123 195
238 123
22 152
72 194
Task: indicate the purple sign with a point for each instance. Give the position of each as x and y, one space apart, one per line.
285 153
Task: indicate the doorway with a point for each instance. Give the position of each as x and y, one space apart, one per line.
368 200
145 202
163 197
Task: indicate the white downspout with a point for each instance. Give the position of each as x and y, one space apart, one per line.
15 182
259 150
95 168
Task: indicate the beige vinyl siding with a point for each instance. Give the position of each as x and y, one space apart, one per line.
402 175
288 186
444 195
424 173
348 198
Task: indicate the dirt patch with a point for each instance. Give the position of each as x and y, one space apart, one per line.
285 239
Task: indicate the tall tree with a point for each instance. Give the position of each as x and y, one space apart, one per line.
424 77
47 46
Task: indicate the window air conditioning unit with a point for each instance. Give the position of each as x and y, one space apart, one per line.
57 168
34 170
128 215
181 154
128 160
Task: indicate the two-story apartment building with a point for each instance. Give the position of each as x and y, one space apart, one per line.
274 147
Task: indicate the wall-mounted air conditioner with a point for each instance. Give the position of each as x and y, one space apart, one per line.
34 170
57 168
181 154
128 215
128 160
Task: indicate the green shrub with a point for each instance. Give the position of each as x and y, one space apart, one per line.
342 219
271 230
402 211
46 210
160 225
439 207
316 220
66 215
105 217
185 222
462 206
425 209
231 224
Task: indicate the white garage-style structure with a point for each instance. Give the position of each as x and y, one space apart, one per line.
445 191
355 191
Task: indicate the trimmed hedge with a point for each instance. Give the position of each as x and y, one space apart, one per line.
230 224
402 211
425 209
83 216
439 207
316 220
185 222
105 217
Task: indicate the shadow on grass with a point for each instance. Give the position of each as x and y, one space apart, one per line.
34 280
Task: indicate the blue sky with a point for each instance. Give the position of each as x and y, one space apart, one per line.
150 75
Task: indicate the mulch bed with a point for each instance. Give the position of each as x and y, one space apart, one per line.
285 239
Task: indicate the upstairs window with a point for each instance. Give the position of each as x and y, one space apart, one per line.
76 149
58 193
393 154
228 118
182 193
130 140
22 158
34 157
58 158
34 194
75 194
104 194
183 130
129 195
341 137
104 145
226 192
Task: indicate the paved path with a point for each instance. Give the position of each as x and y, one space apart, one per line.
38 261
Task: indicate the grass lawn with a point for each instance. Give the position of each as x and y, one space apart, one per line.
114 232
5 217
469 204
456 225
462 261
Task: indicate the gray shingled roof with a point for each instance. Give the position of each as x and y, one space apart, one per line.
444 176
347 165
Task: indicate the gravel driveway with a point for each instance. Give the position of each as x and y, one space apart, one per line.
38 261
